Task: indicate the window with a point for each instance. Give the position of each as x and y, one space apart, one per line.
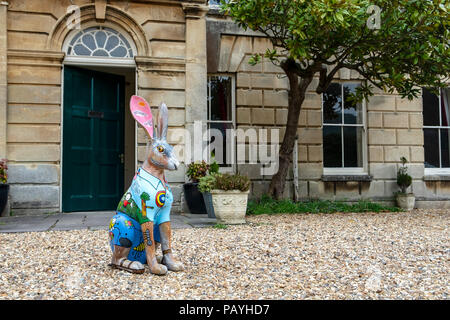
215 3
100 42
343 129
221 116
436 129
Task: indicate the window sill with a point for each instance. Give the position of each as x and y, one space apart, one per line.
437 177
347 177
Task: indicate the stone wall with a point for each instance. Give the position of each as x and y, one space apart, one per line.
177 47
394 127
35 33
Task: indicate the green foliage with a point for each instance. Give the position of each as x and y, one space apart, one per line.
267 205
213 167
409 48
206 183
228 182
404 180
3 171
196 170
220 226
224 182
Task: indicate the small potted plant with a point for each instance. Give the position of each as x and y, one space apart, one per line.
4 187
229 196
193 197
404 200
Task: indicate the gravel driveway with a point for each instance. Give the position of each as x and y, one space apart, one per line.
313 256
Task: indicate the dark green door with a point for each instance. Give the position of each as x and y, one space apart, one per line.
93 135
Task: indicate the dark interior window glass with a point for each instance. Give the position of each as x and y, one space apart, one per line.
445 99
220 98
431 146
220 115
352 109
332 146
352 147
430 108
223 158
445 152
332 104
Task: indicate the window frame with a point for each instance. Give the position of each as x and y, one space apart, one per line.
440 170
347 170
98 60
232 168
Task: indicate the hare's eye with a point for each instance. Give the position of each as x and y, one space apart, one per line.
160 148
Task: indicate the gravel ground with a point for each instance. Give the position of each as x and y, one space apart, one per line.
314 256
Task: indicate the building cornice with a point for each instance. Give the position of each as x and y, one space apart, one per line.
194 10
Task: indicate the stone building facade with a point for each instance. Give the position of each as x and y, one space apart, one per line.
176 51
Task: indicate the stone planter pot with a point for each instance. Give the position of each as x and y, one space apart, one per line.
230 206
406 201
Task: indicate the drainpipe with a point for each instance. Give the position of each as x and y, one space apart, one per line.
3 77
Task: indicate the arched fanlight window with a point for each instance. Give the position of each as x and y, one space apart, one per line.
100 42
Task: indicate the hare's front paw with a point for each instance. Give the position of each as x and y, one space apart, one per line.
171 263
158 269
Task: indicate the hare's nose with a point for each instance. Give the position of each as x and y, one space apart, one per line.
176 163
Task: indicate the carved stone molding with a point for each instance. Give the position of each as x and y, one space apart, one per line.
100 9
194 10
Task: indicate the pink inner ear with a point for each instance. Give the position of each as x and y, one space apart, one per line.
142 113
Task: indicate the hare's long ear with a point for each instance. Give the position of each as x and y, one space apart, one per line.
142 114
163 121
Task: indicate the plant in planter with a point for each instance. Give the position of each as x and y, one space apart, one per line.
194 198
205 185
404 200
4 187
229 196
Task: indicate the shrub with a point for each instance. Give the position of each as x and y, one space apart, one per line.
232 182
213 167
268 205
197 170
206 183
404 180
224 182
3 169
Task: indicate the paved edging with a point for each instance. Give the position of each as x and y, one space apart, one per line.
87 220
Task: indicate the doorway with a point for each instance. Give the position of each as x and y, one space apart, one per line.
95 134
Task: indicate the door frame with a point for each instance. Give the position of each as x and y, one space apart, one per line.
89 63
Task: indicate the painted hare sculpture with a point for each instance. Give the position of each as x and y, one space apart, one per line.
142 222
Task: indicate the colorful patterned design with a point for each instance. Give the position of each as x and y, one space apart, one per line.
148 199
142 113
140 247
121 233
160 198
111 223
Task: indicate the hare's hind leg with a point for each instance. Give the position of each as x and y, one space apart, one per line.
166 246
154 266
119 260
158 256
122 236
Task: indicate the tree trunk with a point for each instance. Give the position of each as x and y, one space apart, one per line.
297 94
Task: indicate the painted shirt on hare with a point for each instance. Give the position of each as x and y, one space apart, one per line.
146 199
